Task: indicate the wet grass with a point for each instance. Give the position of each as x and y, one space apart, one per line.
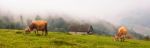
17 39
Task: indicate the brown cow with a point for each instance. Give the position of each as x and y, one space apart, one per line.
39 25
121 34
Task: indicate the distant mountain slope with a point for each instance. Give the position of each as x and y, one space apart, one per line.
138 21
105 28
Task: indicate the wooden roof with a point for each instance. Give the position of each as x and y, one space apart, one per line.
80 28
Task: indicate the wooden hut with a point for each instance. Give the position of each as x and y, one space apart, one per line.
80 29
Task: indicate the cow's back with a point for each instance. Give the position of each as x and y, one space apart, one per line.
39 24
122 31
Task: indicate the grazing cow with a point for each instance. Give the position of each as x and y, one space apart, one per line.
39 25
121 34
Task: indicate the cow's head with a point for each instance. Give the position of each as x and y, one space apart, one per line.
27 30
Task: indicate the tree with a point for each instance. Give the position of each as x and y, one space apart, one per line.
38 17
57 24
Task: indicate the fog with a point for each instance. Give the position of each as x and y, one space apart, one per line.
92 10
138 21
132 13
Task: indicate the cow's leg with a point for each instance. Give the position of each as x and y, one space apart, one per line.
35 31
122 38
43 32
46 32
118 38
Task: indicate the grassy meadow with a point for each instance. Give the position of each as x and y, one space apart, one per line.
17 39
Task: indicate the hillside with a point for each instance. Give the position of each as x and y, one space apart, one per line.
16 39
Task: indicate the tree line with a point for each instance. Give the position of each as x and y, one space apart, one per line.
59 25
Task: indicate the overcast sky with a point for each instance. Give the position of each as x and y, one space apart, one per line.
109 10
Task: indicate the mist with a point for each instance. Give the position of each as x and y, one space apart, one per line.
106 13
138 21
91 10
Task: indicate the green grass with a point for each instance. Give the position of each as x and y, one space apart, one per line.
15 39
